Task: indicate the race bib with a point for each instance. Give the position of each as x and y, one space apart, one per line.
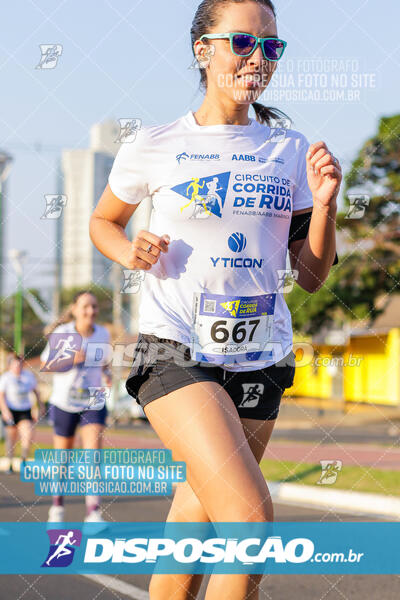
228 329
87 398
20 391
79 397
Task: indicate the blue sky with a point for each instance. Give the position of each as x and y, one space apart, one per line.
132 57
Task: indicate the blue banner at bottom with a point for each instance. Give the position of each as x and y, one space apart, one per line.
153 547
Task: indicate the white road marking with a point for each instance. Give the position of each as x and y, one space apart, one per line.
119 586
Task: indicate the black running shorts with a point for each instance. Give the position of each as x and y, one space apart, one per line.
159 368
19 415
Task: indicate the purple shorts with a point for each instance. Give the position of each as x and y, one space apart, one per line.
65 423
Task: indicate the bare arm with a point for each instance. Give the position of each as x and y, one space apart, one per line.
107 232
40 404
5 411
313 257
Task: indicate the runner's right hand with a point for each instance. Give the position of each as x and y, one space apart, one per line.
7 417
79 356
138 258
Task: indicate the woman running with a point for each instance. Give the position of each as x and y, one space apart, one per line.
212 288
75 382
16 387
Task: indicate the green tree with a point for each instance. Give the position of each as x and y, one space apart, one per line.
32 327
370 266
33 336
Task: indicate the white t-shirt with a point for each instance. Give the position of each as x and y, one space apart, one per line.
225 194
78 377
17 389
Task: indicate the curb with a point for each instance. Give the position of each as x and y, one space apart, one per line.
358 503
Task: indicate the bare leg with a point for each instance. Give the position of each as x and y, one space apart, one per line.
186 507
258 434
25 433
200 424
61 442
11 440
92 436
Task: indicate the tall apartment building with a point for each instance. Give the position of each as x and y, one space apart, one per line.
84 177
5 160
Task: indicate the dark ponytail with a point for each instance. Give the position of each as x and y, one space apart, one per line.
267 114
206 18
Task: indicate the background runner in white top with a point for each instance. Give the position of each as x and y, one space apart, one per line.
17 389
79 377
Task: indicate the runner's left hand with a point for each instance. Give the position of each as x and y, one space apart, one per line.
324 174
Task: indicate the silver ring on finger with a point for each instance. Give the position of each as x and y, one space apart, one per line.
149 247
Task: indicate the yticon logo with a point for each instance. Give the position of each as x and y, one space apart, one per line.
237 243
62 547
190 550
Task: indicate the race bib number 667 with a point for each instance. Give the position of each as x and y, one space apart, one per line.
228 329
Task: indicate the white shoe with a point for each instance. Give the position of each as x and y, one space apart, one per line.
56 514
95 517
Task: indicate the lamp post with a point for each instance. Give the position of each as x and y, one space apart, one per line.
17 258
5 166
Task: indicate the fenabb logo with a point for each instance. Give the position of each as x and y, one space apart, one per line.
191 550
182 156
62 547
237 243
197 157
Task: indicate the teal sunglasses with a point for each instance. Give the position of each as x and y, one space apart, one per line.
244 44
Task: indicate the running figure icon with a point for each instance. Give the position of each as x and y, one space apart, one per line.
196 198
62 549
251 394
55 205
213 199
64 353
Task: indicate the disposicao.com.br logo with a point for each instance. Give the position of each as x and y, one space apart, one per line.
248 551
227 547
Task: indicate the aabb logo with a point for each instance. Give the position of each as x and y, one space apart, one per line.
62 547
245 157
